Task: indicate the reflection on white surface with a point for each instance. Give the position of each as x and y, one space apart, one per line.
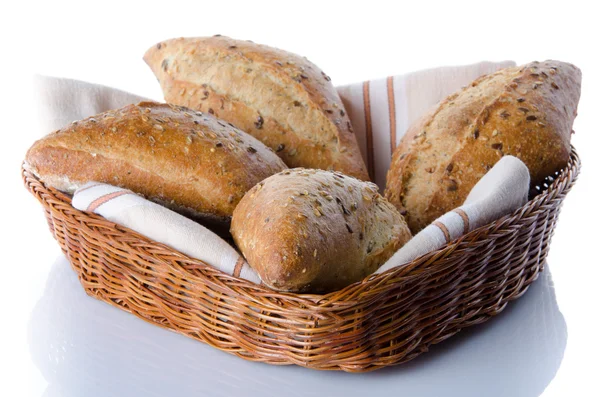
85 347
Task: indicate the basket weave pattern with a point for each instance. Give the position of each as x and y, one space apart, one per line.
386 319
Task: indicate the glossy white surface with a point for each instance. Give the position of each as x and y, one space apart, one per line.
56 341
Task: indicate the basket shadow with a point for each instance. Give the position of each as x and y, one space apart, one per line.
85 347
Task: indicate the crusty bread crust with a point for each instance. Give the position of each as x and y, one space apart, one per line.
193 162
525 111
280 98
316 231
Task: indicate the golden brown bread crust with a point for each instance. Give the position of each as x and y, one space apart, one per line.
525 111
316 231
280 98
189 161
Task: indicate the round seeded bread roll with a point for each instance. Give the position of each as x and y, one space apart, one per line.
307 230
525 111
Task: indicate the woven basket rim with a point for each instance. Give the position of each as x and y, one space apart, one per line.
419 267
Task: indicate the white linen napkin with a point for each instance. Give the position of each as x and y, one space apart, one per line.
61 101
380 111
501 191
160 224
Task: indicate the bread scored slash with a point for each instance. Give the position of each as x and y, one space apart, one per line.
307 230
278 97
189 161
525 111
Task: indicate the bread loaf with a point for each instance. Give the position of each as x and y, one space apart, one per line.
280 98
186 160
316 231
525 111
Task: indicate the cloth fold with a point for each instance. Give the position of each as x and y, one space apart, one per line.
160 224
501 191
380 112
61 101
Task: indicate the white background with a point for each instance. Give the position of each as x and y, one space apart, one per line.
351 41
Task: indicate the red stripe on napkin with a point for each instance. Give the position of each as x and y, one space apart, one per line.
444 230
369 130
238 267
106 198
392 111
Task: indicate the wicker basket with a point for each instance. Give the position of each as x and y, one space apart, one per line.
384 320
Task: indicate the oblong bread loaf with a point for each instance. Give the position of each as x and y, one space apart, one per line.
280 98
524 111
191 162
